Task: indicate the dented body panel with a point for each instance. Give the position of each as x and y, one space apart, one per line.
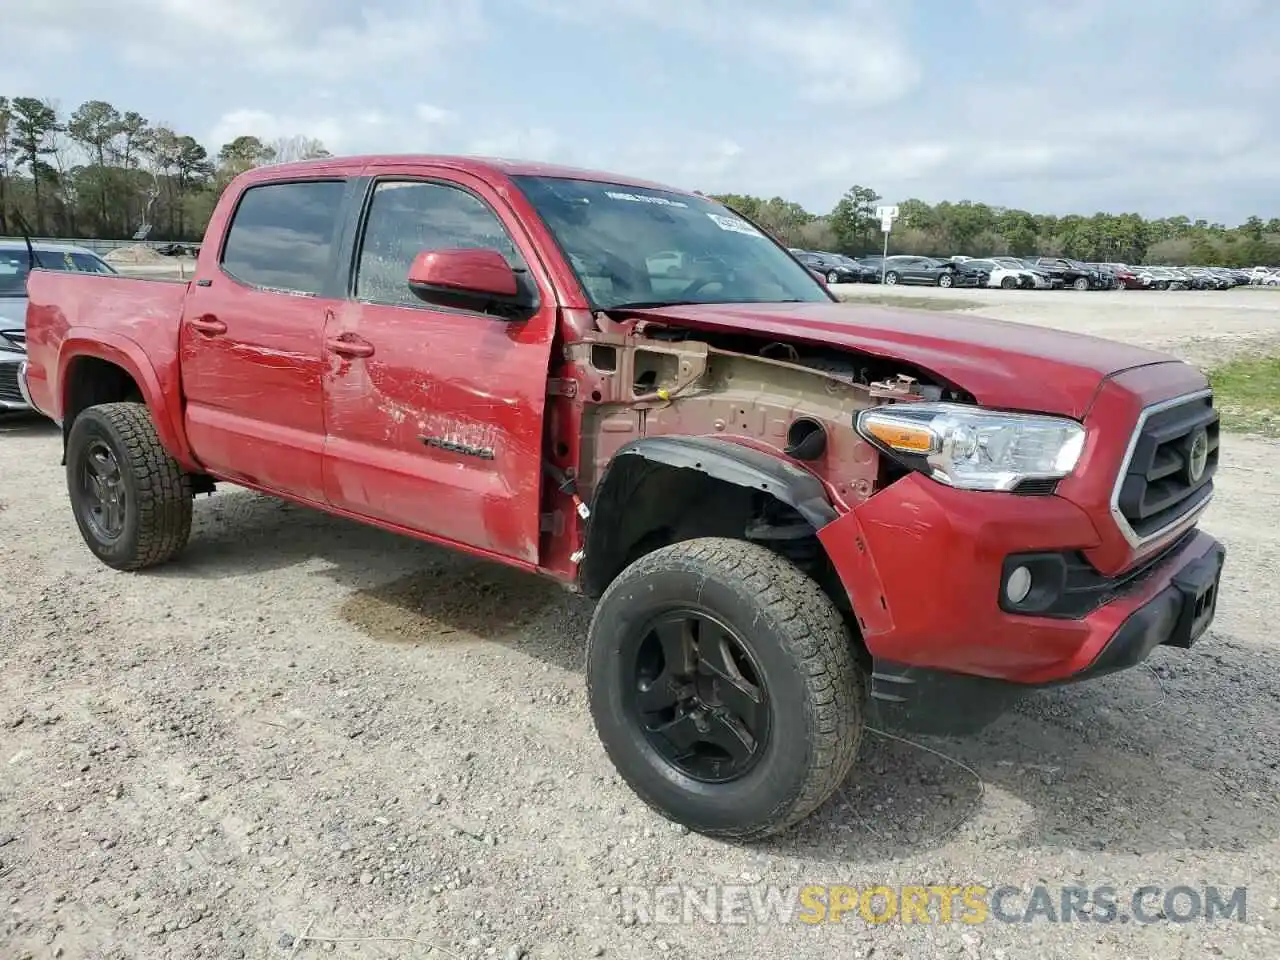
573 438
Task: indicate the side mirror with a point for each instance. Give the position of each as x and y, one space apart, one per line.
470 279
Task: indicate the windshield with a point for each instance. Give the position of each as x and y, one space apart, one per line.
633 246
14 267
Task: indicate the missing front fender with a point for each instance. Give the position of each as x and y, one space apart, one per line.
660 490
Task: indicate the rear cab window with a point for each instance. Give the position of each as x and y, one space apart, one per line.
282 235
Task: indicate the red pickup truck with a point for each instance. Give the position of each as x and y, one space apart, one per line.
796 514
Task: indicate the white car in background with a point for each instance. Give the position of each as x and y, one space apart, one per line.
1004 273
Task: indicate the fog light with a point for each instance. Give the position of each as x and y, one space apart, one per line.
1018 585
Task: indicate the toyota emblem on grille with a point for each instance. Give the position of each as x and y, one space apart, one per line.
1198 457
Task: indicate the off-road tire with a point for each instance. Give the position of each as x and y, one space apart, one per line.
158 494
795 634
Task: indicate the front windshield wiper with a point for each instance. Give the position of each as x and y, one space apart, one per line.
645 304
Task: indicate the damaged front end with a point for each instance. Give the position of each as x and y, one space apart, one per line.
671 434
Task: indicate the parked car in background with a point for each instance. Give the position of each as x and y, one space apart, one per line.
1109 281
865 272
668 262
1168 278
833 267
1203 278
1128 276
847 270
15 266
1005 277
1072 273
1040 279
931 271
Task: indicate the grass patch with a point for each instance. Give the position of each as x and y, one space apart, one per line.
912 303
1247 392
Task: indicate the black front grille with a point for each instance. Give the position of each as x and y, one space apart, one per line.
1160 485
9 383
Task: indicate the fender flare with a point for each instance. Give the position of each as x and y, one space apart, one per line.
716 457
131 358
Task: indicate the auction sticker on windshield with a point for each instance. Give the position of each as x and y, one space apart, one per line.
734 225
644 198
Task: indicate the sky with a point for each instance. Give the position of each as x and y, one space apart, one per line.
1159 107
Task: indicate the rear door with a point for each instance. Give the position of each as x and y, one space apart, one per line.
437 428
251 354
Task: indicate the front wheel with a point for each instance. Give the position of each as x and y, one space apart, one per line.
132 502
833 277
723 685
946 280
1009 283
891 278
1082 283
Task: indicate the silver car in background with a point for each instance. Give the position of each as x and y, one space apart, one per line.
15 265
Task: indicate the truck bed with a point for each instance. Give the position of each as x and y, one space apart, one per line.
137 316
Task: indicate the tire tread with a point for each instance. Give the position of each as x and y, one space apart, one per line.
164 498
814 635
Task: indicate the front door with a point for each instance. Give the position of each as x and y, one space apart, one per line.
434 415
251 340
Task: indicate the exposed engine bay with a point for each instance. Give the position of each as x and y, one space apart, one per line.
646 378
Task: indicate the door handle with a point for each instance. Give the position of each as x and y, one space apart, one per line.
209 325
349 345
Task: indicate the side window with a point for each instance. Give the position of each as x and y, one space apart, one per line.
282 235
407 217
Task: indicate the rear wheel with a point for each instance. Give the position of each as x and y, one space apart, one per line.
890 278
724 687
1082 283
132 502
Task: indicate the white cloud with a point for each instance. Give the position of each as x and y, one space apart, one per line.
520 143
430 113
316 39
852 54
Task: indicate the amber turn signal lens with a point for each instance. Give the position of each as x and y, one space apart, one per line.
900 436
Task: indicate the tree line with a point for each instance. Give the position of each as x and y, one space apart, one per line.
978 229
107 173
101 172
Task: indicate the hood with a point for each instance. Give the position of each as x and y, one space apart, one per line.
1012 366
13 313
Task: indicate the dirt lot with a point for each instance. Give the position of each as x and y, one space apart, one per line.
308 728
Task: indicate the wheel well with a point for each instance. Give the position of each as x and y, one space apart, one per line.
646 505
92 380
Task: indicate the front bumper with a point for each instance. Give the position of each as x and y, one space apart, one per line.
923 564
13 382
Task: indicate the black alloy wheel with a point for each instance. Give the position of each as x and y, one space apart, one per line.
698 696
102 491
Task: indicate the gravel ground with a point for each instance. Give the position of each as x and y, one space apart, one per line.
308 729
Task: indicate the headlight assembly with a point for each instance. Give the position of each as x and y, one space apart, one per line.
972 448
